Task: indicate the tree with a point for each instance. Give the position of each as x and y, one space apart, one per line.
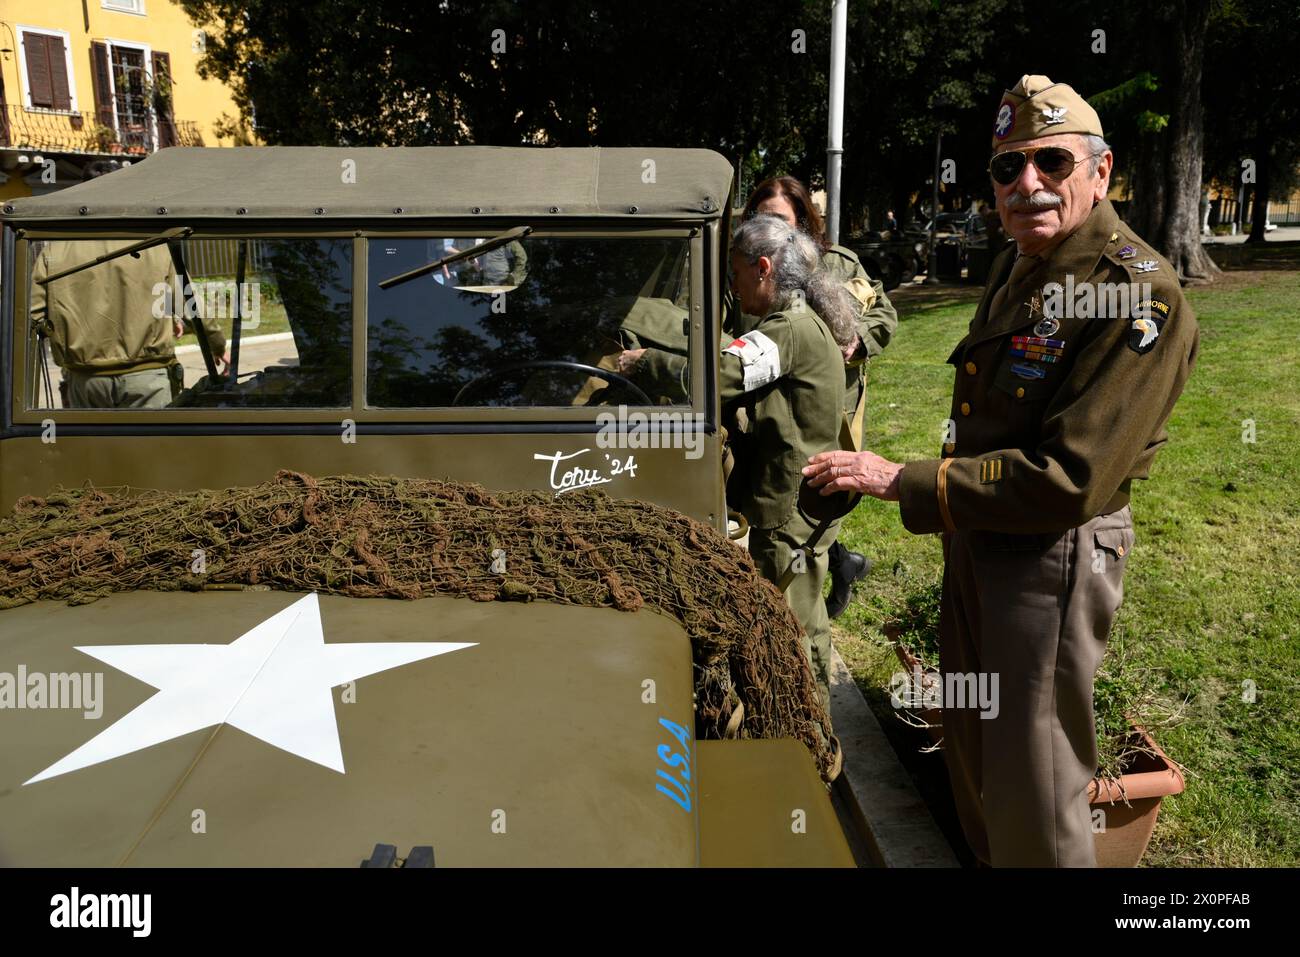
903 57
1167 178
745 78
1254 112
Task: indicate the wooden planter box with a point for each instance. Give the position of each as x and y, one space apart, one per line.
1127 825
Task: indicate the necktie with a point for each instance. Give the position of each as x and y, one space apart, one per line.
1017 283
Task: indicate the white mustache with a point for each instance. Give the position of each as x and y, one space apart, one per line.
1039 200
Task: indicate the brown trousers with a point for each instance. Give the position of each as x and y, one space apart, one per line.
1034 610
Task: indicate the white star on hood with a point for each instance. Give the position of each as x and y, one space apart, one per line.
272 682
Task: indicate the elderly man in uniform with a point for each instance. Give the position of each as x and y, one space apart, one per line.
1058 406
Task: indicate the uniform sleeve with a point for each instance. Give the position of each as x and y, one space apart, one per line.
758 357
37 307
876 326
216 338
519 269
1102 418
660 372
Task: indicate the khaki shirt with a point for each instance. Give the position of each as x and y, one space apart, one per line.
101 320
788 373
1050 429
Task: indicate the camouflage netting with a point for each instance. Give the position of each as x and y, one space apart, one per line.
409 539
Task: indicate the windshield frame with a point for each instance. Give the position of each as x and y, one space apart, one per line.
20 374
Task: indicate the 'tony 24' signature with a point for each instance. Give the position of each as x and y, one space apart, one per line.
577 476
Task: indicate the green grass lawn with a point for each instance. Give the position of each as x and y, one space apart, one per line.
270 318
1212 591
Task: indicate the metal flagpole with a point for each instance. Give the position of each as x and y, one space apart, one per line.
835 120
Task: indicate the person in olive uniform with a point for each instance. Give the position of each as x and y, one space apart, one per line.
1059 405
504 266
115 346
785 369
788 198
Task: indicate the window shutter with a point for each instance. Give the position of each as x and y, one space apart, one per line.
163 100
59 85
99 78
39 86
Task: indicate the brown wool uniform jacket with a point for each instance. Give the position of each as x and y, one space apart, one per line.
1050 428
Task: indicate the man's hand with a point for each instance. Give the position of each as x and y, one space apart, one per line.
864 472
628 358
851 350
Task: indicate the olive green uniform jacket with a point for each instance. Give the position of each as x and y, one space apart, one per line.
1049 431
788 373
101 320
877 321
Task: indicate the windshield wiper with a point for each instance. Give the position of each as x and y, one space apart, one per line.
180 232
509 236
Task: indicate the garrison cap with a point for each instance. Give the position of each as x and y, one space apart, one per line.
1038 107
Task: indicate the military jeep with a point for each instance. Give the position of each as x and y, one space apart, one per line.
430 313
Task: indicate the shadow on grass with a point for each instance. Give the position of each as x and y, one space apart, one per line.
915 299
1251 256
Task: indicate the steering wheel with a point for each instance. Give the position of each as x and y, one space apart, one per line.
581 367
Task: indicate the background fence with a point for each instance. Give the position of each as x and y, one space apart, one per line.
1225 210
220 257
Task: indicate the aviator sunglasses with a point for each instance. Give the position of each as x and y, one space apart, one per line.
1054 162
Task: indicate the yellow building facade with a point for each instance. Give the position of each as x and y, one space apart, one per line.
87 86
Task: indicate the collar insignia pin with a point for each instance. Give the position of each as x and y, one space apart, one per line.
1146 265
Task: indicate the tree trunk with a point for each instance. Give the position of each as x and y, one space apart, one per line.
1181 239
1167 176
1146 209
1263 186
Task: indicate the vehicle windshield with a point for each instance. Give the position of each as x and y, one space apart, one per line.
267 323
537 322
131 333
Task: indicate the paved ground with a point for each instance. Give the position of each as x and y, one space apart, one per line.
256 352
892 825
1280 235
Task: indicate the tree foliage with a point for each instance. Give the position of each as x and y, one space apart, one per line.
749 79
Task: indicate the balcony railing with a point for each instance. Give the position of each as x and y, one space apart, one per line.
65 132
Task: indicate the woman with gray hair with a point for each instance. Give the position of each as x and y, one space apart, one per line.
788 198
787 370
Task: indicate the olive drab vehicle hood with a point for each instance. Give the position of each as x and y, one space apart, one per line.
272 728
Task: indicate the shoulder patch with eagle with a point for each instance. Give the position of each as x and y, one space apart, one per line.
1149 318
